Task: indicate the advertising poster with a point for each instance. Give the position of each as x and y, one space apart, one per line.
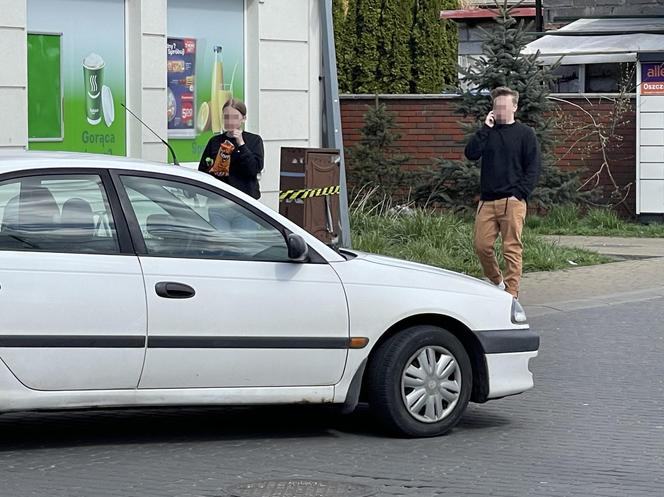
652 78
45 121
81 43
218 69
181 65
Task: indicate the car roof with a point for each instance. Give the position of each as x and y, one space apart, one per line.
42 159
16 161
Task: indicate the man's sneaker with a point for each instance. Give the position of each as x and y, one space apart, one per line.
501 285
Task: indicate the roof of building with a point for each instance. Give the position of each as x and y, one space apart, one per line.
589 41
475 13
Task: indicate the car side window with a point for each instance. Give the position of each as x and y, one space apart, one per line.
182 220
56 213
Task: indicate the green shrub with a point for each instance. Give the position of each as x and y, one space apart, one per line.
446 240
394 46
604 219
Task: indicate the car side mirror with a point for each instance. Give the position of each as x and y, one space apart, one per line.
298 250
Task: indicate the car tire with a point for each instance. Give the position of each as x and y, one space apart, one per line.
407 394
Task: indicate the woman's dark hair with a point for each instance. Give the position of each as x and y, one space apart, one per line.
238 105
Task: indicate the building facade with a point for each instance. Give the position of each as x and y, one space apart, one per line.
72 66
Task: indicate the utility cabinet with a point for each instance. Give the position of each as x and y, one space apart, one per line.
309 190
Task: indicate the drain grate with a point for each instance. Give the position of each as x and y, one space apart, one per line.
300 488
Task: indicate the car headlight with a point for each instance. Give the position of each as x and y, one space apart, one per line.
518 314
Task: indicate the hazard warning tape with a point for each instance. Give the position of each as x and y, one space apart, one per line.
288 195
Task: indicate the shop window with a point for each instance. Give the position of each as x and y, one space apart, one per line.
609 78
567 79
594 78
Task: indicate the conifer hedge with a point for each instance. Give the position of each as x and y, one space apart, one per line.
394 46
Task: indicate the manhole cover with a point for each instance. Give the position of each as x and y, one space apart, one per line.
300 488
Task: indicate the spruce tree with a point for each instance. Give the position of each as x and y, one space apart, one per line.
373 163
503 64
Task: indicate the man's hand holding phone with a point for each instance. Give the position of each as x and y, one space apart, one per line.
490 120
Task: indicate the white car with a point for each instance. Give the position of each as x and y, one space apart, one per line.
130 283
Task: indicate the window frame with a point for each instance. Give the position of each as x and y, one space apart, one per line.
581 70
582 83
618 83
125 246
137 234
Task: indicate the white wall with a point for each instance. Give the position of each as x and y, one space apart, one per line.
14 75
146 77
283 69
650 154
283 92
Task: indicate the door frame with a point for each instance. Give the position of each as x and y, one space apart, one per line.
125 242
135 230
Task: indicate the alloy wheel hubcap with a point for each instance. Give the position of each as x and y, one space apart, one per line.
431 384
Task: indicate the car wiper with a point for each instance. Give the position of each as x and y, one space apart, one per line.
24 241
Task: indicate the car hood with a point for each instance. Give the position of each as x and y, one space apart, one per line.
428 277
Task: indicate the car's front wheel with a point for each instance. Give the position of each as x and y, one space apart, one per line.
419 382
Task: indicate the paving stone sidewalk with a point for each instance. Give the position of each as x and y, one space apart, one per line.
638 276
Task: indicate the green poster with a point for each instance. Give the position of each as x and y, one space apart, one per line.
45 88
76 76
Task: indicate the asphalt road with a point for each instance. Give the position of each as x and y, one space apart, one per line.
593 426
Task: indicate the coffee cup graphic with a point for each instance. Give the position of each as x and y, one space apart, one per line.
93 74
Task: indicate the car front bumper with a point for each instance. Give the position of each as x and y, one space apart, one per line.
508 354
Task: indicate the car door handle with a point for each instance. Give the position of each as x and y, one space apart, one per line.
174 290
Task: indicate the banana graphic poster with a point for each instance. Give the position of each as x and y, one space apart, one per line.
216 70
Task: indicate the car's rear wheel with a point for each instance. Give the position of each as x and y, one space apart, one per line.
419 382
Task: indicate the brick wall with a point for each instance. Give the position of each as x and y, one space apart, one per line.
430 129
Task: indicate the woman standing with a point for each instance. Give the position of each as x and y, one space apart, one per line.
235 156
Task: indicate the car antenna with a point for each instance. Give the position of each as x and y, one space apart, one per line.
175 159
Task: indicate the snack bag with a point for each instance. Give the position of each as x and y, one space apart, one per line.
222 162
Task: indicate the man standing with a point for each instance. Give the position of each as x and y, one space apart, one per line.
510 168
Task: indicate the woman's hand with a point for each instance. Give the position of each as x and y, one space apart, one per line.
237 134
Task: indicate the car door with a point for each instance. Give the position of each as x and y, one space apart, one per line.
226 306
72 299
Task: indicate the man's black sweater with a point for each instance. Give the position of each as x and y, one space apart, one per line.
246 162
510 160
